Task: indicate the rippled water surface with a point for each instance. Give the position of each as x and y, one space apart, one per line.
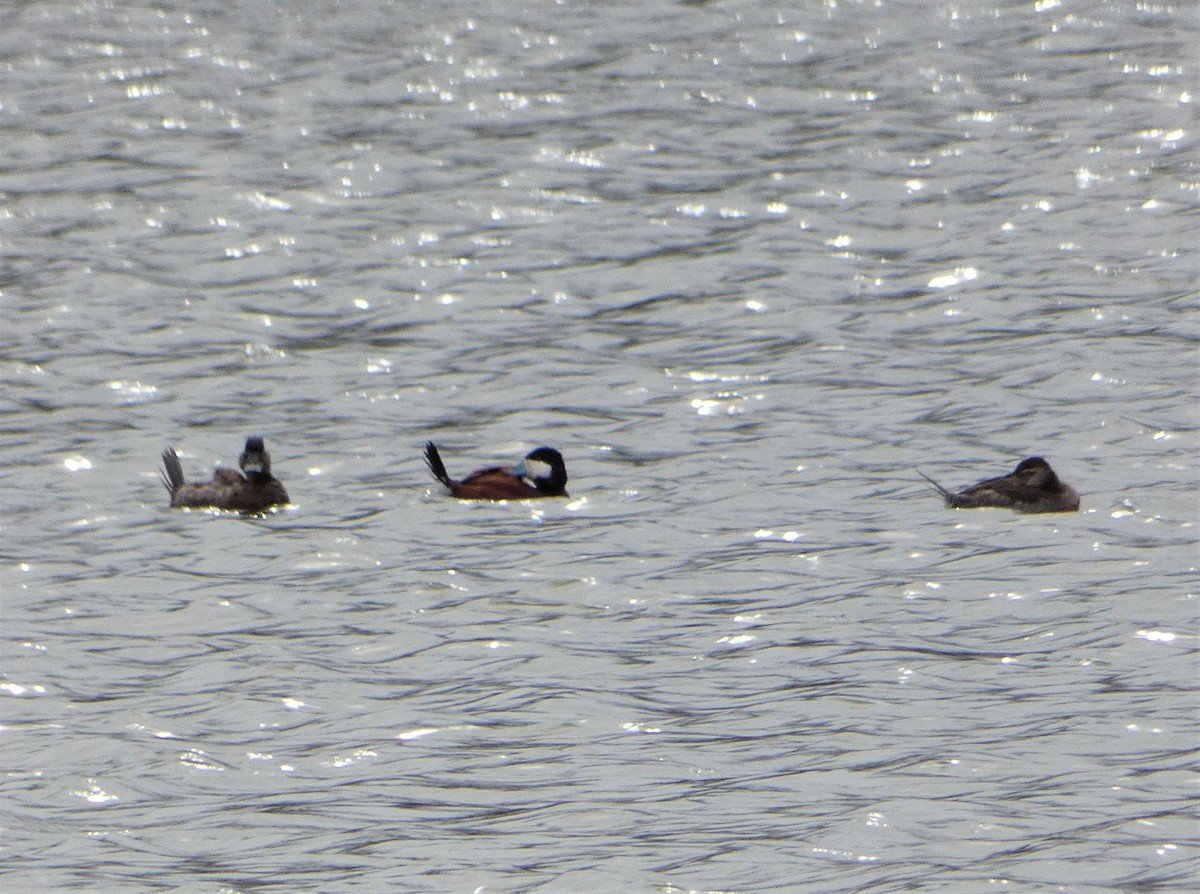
748 267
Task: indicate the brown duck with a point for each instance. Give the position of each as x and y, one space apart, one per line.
1031 487
255 491
542 473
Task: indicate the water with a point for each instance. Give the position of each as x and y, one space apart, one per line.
747 267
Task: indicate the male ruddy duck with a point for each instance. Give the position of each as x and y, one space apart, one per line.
256 491
542 473
1031 487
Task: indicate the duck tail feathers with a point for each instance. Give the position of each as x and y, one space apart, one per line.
941 490
434 460
172 475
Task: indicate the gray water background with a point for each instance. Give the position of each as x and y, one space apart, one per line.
748 266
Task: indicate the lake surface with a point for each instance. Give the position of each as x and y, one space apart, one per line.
749 267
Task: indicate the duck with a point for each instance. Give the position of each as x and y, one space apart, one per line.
1031 487
255 491
542 473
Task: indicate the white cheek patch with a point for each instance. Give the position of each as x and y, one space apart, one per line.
252 468
535 469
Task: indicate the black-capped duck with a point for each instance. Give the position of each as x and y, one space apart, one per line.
542 473
1031 487
256 491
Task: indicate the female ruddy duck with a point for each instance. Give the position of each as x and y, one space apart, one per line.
256 491
1031 487
542 473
